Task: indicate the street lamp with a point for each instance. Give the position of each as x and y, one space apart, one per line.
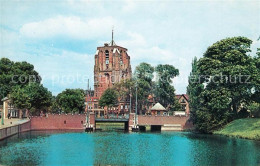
136 105
2 117
87 118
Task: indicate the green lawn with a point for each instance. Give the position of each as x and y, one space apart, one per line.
242 128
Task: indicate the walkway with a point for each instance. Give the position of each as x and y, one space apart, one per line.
12 122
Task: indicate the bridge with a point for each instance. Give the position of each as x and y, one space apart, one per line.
169 123
78 122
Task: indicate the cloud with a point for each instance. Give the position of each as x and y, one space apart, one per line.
72 27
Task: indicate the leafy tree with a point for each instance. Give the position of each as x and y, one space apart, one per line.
254 109
229 75
109 98
228 58
16 74
55 108
20 98
33 97
256 81
214 110
176 106
143 77
194 89
71 100
165 91
123 88
40 97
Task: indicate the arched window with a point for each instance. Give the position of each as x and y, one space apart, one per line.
121 59
107 57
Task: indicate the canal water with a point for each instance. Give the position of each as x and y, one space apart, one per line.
119 148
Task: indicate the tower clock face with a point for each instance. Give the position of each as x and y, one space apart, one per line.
107 62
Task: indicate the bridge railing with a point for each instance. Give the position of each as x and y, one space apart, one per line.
111 116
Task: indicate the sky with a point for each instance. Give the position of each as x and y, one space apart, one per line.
60 37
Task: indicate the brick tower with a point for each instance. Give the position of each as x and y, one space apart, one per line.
112 64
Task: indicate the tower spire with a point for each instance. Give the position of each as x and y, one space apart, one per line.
112 43
113 34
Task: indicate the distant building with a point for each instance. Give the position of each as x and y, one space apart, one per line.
183 99
158 109
8 108
112 64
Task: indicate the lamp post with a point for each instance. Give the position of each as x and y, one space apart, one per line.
3 113
130 102
136 105
86 105
2 117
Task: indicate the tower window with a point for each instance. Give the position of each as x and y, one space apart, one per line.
121 60
107 56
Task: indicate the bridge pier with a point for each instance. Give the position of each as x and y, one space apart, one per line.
92 124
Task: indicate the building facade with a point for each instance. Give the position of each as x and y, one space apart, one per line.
112 64
183 99
9 109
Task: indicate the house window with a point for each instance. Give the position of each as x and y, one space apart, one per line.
183 107
182 100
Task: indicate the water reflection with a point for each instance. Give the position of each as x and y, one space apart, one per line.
118 148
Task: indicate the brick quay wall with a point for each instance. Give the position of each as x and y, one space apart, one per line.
15 129
165 120
58 122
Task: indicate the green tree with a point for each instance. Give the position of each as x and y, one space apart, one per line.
165 91
71 100
194 89
109 98
256 81
54 108
20 98
40 97
254 109
229 75
16 74
33 97
229 59
176 106
213 111
143 78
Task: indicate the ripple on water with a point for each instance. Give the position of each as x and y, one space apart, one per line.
118 148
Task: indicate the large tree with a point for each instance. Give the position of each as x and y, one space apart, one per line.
109 98
33 97
194 89
16 74
71 100
229 75
165 91
143 76
227 64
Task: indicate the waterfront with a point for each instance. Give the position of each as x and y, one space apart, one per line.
166 148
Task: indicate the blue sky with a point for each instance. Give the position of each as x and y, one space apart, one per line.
60 37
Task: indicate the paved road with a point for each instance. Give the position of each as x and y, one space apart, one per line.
12 122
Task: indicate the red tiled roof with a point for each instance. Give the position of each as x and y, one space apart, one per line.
184 95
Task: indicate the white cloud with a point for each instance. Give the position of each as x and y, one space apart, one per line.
73 27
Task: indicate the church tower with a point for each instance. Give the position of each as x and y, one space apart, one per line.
112 64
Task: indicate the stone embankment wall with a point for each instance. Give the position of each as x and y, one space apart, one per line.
166 121
12 130
58 122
